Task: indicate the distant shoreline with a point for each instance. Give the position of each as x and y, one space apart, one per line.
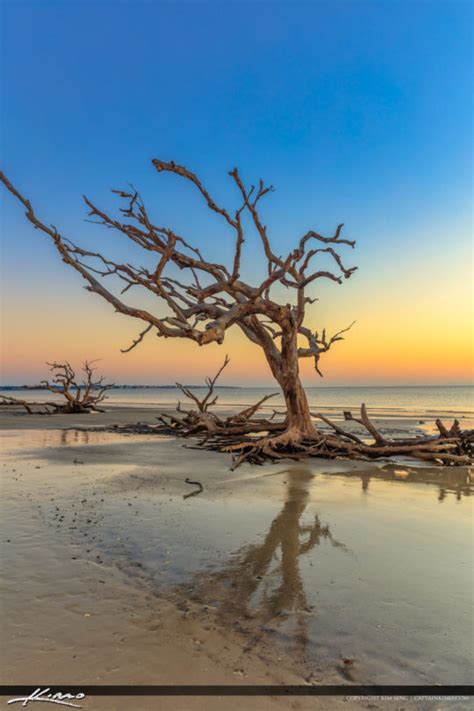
248 387
128 387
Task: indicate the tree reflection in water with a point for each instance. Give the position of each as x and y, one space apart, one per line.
263 580
454 480
71 437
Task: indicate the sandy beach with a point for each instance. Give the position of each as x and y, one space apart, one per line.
314 573
236 383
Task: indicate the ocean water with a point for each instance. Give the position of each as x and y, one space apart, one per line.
456 401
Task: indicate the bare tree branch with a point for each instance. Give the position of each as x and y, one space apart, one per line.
137 340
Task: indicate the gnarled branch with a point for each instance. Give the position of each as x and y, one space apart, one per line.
211 298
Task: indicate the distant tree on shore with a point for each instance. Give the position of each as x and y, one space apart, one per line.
79 396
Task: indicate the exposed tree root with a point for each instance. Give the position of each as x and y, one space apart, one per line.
453 449
241 436
260 440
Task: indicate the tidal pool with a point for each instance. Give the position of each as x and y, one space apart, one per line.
372 576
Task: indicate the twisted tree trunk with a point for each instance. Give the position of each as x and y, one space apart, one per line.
298 418
286 372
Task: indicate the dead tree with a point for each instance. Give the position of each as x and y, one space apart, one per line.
210 297
80 397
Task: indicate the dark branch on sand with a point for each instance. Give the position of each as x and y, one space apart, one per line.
193 493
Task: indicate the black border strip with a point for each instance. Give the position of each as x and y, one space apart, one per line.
241 690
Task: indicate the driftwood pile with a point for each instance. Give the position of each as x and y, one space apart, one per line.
259 439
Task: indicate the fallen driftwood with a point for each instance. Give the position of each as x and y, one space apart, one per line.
454 448
47 408
258 439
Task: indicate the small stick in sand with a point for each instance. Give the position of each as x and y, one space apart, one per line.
193 483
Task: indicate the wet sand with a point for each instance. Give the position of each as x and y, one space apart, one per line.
388 420
318 573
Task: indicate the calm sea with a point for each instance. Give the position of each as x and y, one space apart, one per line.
403 401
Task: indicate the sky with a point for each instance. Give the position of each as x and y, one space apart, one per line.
357 112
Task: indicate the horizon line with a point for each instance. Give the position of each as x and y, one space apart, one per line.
38 386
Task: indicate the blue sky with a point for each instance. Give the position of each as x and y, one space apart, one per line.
356 111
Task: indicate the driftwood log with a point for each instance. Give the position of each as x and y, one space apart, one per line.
31 407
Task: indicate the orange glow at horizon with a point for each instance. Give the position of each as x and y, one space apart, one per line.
415 330
390 350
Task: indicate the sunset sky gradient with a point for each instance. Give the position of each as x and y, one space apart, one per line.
357 112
